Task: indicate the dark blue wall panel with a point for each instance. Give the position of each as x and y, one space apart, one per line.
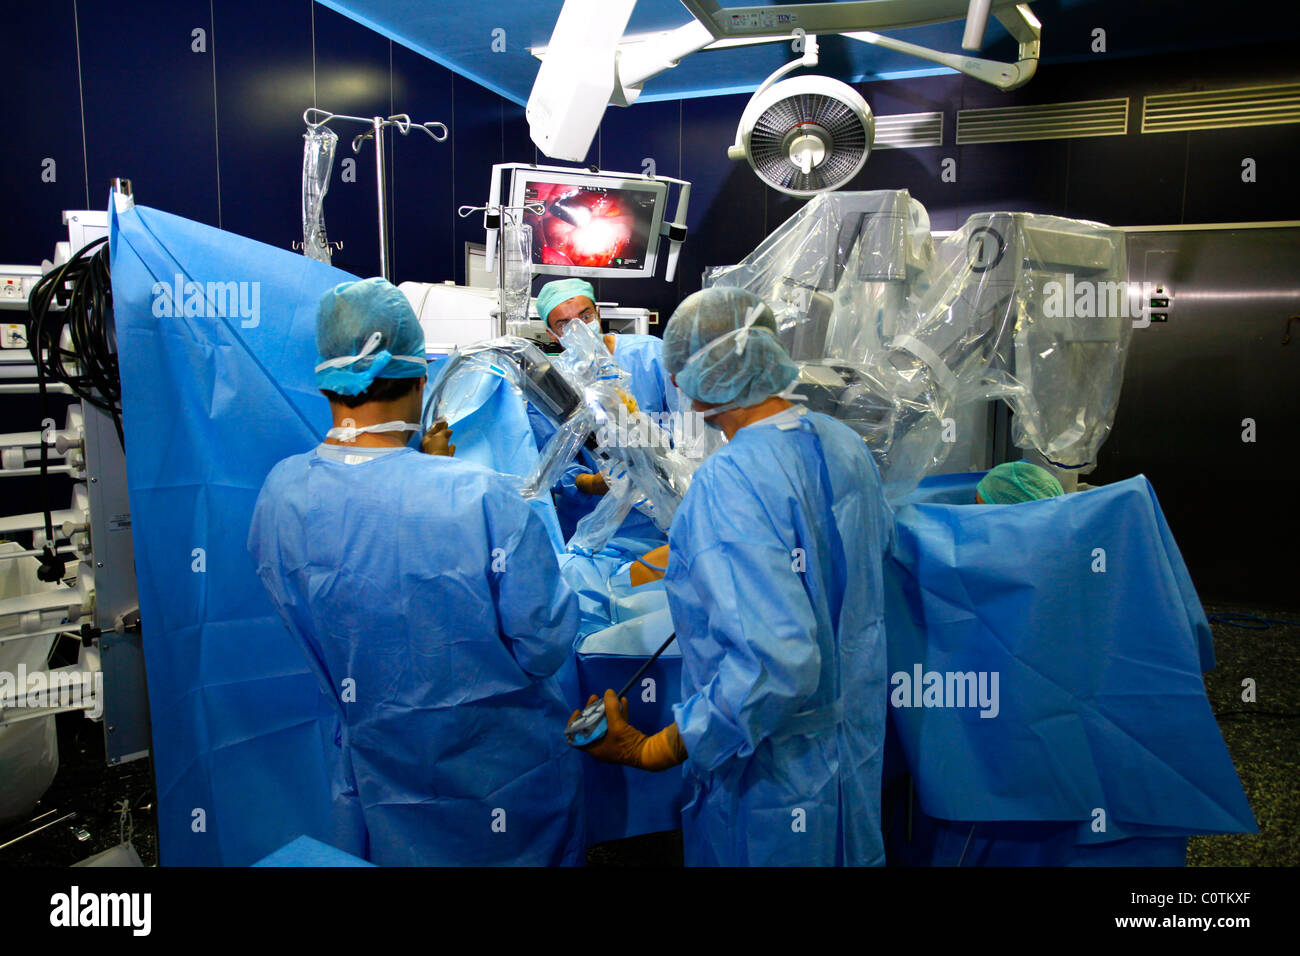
149 113
1215 190
264 82
516 141
1019 177
917 170
479 142
353 77
1131 180
180 122
423 206
38 77
728 215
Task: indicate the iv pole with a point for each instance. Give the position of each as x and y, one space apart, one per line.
377 123
510 220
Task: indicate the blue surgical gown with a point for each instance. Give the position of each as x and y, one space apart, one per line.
642 357
775 586
427 598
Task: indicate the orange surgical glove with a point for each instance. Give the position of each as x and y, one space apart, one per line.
628 401
639 574
624 744
664 750
591 484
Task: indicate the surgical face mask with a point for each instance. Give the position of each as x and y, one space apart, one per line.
349 433
583 337
586 315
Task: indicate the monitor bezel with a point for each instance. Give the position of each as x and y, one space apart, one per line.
520 179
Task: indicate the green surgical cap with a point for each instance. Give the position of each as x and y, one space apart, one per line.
366 330
1018 481
562 290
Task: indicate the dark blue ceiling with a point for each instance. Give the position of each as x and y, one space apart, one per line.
459 35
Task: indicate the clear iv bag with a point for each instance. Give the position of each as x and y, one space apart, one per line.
317 162
517 268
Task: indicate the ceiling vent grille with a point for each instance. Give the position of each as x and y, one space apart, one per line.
1221 109
1015 124
909 130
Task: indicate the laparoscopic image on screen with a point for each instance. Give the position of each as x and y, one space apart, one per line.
590 226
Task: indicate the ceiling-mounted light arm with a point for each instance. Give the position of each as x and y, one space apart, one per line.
640 61
630 44
704 12
590 63
809 60
1023 26
1020 23
826 18
644 59
977 19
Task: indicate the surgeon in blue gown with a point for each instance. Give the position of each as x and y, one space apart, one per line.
426 597
558 303
775 586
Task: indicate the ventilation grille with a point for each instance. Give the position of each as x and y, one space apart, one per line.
848 142
1221 109
908 130
1014 124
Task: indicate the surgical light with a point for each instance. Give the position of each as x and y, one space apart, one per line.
805 135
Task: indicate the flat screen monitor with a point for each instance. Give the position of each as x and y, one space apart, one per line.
592 225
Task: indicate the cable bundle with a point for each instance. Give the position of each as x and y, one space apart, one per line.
83 283
82 286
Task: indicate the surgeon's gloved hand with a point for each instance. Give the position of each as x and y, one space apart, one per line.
628 401
651 567
437 440
624 744
591 484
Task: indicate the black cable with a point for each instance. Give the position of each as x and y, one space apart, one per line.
83 287
83 284
51 569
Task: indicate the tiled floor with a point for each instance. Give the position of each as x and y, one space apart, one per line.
86 786
1263 737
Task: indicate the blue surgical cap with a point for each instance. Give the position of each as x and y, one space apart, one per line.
366 330
561 290
742 369
1017 481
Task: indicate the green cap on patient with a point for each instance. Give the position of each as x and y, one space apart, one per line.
1017 481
